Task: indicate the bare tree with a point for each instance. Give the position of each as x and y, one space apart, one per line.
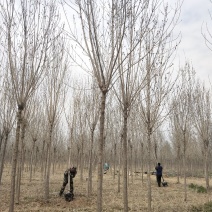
7 120
54 95
102 44
182 114
130 75
29 28
203 122
176 138
34 127
206 33
20 162
159 81
92 104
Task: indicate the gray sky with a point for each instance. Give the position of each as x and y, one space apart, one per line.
194 16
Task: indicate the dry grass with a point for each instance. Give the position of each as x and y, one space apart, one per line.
166 199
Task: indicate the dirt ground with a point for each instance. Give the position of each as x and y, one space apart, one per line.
166 199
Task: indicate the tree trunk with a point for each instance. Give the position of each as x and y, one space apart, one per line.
148 171
206 168
20 164
3 156
178 164
142 162
149 133
31 160
69 148
82 159
184 167
114 162
54 159
90 181
42 160
14 160
100 152
119 165
1 140
125 158
48 167
36 158
131 163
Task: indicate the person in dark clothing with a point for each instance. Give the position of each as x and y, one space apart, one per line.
159 172
71 172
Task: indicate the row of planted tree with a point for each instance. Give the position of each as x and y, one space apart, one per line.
79 80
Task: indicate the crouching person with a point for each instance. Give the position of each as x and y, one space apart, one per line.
69 174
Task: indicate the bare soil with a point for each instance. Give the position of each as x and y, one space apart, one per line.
166 199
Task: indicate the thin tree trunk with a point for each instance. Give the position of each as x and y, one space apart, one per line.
114 162
14 160
90 181
131 162
184 167
142 162
54 160
100 152
178 164
125 171
31 160
20 163
206 168
48 167
1 141
3 156
82 159
42 160
148 171
119 166
18 180
149 133
36 158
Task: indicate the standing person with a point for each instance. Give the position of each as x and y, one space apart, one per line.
72 173
159 172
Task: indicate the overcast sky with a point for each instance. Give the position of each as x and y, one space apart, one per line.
193 19
194 16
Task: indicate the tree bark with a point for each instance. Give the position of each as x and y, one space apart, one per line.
90 180
114 162
100 152
3 156
206 154
184 167
14 160
125 159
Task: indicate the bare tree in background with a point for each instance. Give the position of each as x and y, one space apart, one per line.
206 32
7 117
130 81
34 128
29 28
160 47
54 95
176 138
92 104
103 29
182 112
203 122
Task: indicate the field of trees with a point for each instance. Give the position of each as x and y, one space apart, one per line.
164 198
83 83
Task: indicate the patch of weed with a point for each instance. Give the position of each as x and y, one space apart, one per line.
207 207
199 189
192 186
